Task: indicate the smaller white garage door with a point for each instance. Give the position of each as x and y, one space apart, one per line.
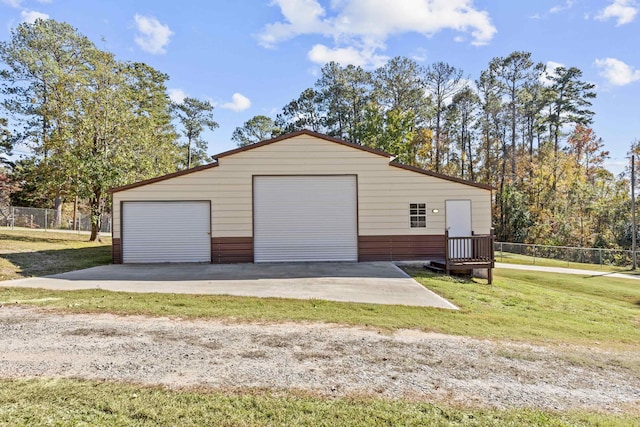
166 232
305 218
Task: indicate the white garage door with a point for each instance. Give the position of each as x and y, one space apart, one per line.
166 232
305 218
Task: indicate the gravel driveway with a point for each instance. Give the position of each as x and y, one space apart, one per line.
325 359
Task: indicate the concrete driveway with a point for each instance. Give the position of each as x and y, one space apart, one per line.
365 282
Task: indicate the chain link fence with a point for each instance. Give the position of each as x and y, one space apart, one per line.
48 219
528 254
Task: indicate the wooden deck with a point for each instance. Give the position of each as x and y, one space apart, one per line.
467 253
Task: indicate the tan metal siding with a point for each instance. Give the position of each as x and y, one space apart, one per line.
384 192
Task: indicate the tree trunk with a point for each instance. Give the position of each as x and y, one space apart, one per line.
95 231
471 171
96 204
75 213
530 132
488 153
438 138
57 215
514 148
462 151
189 154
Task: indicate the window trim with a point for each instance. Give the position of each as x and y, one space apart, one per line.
418 215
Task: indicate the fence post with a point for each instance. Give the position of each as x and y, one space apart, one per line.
45 220
501 251
534 254
13 216
79 222
600 257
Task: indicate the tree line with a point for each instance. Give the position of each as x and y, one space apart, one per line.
92 122
519 127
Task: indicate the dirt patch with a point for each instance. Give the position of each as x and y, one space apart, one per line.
100 332
322 359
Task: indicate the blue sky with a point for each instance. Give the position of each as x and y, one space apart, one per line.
251 57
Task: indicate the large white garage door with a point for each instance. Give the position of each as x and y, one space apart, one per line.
305 218
166 232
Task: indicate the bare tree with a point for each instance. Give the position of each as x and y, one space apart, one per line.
442 82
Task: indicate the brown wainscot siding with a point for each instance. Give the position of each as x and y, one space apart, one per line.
116 251
400 247
228 250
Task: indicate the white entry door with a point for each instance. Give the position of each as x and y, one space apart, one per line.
305 218
458 216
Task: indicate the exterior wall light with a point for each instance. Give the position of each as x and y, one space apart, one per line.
435 210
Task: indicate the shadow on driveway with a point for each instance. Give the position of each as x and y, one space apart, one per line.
225 272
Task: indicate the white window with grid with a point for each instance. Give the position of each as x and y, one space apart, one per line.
418 215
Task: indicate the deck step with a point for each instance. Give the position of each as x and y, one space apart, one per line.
438 267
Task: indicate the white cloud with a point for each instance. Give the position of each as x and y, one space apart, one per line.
152 36
624 11
321 54
239 102
12 3
552 65
177 95
360 28
470 83
617 72
550 71
420 55
44 1
30 16
568 4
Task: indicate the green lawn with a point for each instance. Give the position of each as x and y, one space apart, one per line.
523 306
535 307
72 402
511 258
25 253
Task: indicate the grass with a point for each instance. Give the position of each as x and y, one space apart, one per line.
522 306
511 258
25 253
70 402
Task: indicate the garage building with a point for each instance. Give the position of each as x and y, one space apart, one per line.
299 197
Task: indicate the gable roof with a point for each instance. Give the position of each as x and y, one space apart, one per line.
293 135
299 133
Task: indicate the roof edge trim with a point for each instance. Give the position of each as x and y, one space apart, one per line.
161 178
299 133
441 176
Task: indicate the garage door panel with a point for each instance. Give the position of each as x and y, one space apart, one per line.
305 218
166 232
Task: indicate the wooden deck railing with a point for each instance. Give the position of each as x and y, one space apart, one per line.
469 249
470 252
